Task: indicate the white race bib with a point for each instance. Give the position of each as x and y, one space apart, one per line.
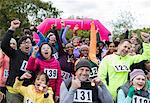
83 95
51 73
24 65
28 101
55 55
121 68
93 72
139 99
6 73
65 75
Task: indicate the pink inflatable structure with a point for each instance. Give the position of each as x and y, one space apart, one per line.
45 26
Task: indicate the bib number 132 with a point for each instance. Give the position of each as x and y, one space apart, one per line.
82 95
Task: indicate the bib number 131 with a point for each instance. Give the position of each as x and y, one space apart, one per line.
82 95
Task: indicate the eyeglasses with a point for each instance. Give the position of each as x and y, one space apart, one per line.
27 42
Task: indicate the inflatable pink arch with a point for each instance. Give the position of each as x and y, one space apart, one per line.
82 24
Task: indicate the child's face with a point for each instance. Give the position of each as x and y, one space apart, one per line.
40 79
139 81
46 51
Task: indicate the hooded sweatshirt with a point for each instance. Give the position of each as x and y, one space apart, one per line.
51 67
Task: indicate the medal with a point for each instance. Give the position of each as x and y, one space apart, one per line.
92 84
40 88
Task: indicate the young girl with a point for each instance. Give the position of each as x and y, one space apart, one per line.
37 93
47 64
136 91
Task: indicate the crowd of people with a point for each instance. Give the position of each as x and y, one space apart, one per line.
77 70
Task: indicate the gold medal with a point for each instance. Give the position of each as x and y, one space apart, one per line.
40 88
92 84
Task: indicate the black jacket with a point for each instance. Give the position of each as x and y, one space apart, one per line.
17 58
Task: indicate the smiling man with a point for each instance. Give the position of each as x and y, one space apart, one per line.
81 89
115 67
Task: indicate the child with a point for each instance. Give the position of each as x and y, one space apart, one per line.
47 64
39 92
137 89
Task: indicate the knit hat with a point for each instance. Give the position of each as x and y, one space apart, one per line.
135 73
83 63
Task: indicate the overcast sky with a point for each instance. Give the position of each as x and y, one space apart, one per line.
106 10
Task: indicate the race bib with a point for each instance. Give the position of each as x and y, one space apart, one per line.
51 73
24 65
55 55
93 72
6 73
29 101
121 68
139 99
65 75
83 95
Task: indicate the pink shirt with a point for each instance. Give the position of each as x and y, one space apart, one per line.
51 68
4 68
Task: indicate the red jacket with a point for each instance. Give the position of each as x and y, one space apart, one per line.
51 67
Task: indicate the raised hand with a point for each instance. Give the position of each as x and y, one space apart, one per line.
145 37
35 50
26 76
33 28
15 24
76 27
62 23
68 26
76 83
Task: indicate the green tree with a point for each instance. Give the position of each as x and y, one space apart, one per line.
25 10
124 21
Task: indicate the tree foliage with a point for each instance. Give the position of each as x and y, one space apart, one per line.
123 22
25 10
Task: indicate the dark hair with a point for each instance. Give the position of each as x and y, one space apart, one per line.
27 31
41 47
24 37
116 43
42 73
